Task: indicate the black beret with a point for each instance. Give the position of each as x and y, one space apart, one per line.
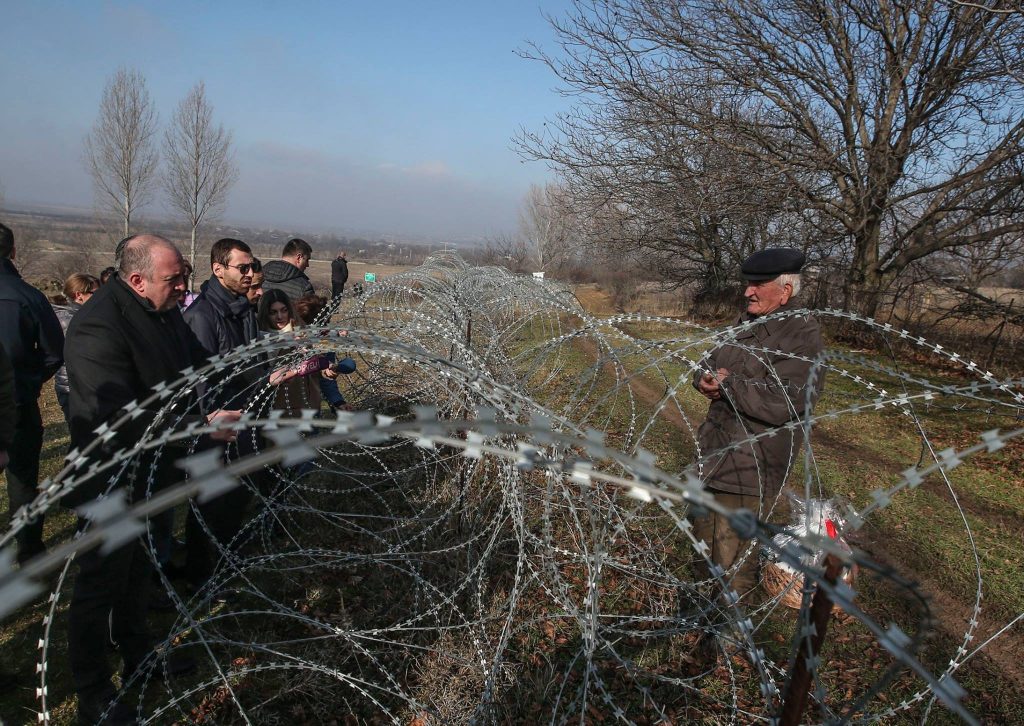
770 263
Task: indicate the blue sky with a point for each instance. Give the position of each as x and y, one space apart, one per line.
395 117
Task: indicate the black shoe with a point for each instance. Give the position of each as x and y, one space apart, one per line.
160 601
8 681
175 664
91 710
180 664
28 552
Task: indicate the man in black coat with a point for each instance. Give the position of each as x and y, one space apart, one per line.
339 274
32 338
127 338
222 318
288 274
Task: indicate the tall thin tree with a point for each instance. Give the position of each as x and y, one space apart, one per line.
120 151
200 163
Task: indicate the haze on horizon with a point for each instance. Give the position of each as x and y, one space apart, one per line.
345 116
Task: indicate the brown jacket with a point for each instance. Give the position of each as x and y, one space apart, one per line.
298 393
767 387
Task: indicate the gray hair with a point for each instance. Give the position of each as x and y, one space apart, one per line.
135 254
792 279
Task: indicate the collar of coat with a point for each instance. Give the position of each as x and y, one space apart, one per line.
231 305
144 303
765 325
7 268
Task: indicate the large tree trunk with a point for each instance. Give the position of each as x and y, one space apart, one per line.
864 281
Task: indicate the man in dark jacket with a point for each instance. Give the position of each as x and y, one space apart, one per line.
339 274
222 319
288 274
7 407
757 381
221 316
127 338
32 338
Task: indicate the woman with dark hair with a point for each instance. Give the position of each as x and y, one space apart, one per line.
296 387
277 313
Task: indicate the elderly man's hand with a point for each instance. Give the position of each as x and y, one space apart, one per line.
221 418
710 384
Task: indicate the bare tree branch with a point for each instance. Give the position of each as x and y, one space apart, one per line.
120 152
200 163
893 127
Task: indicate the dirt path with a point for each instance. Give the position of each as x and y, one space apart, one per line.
953 616
644 391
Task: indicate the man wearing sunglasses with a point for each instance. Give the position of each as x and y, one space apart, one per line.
223 319
221 316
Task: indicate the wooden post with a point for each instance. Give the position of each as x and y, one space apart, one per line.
795 700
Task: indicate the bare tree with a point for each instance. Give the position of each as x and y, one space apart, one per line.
120 151
200 164
895 127
506 250
548 226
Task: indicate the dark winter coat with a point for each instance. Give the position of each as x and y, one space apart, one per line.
29 332
284 276
222 321
118 348
339 269
767 386
64 315
8 408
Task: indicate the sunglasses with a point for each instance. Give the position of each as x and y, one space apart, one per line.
244 268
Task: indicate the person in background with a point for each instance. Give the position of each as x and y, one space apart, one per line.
339 274
288 274
256 286
189 297
34 342
108 272
128 338
78 288
307 309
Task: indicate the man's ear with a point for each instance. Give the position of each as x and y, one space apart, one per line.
136 280
787 290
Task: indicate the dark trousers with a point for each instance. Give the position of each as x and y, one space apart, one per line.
23 475
64 400
115 585
223 517
337 288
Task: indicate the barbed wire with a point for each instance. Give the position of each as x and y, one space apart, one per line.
495 491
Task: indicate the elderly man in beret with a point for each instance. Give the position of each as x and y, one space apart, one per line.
756 381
